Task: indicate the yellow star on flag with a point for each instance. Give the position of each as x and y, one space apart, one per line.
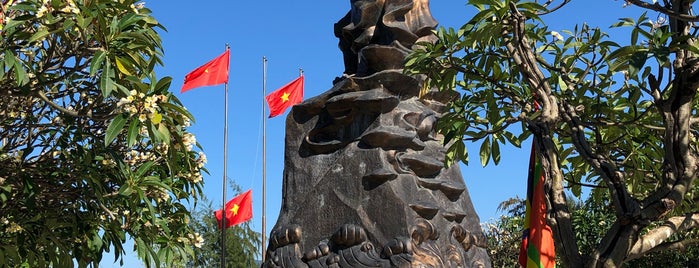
234 209
285 97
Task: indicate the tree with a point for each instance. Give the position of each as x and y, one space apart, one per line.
621 118
93 146
590 220
242 243
505 233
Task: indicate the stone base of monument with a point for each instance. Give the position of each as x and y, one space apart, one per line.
365 183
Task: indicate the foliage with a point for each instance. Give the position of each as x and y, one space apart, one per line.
591 218
94 147
505 234
242 243
619 118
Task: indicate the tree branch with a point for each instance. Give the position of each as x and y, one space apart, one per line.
526 61
657 7
43 97
653 240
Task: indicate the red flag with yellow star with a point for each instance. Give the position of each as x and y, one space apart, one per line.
214 72
238 210
284 97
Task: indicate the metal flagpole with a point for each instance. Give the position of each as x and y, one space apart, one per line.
225 165
264 155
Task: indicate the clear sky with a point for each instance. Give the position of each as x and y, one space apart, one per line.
297 34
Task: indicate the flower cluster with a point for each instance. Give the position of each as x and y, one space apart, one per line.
135 157
185 121
14 108
194 177
196 239
138 6
159 195
70 7
108 162
557 36
189 140
139 105
12 227
201 160
659 23
162 148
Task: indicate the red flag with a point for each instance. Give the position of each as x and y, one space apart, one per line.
284 97
214 72
238 210
537 248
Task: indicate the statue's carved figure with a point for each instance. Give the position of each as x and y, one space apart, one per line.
382 22
364 181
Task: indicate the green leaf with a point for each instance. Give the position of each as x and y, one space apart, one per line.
123 67
485 152
95 243
106 82
636 62
125 190
97 61
132 135
40 34
164 134
512 139
623 22
162 85
143 169
114 128
20 74
9 58
496 152
562 84
178 109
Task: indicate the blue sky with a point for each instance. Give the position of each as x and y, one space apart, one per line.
297 34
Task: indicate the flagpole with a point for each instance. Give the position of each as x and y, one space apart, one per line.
264 155
225 165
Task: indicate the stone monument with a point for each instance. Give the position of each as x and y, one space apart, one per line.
364 178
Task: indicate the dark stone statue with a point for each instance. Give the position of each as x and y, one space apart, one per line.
364 179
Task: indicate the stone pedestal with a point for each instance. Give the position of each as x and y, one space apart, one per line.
364 178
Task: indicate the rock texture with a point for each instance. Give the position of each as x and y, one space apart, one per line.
364 179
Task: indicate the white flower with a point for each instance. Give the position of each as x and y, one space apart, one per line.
196 178
201 160
198 240
142 117
14 228
189 140
42 11
557 35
